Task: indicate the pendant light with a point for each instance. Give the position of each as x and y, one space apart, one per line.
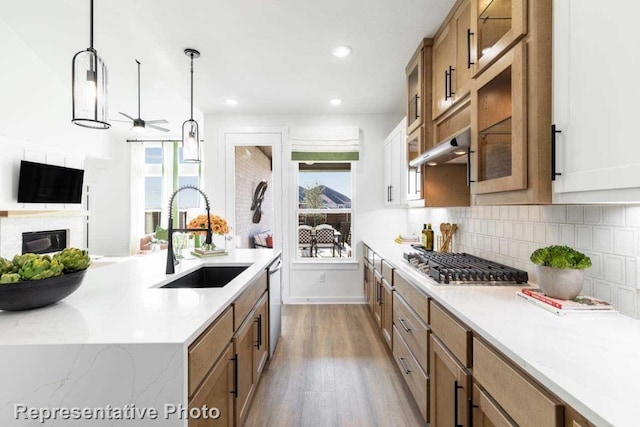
190 132
89 86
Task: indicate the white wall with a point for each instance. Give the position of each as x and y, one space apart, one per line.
343 283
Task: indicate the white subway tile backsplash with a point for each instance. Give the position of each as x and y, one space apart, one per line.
567 234
603 239
593 214
534 213
574 214
626 301
559 213
584 237
613 215
624 241
614 269
609 235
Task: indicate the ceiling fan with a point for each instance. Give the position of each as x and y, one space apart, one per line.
139 124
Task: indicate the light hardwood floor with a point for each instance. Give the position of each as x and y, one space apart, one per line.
331 368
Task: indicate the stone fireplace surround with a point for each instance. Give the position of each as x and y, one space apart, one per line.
11 229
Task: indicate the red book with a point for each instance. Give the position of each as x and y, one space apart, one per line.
581 302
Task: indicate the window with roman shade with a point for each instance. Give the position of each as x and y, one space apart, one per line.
332 144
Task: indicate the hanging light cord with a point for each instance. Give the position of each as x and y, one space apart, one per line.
91 26
191 85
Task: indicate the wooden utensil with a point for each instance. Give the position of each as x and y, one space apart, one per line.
445 247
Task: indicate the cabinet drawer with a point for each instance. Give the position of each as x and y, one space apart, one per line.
523 400
245 302
387 272
455 336
412 373
418 301
486 412
377 263
414 332
207 347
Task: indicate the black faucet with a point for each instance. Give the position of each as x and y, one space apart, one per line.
171 258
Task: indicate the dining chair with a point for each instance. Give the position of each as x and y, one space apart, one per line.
305 238
326 238
345 238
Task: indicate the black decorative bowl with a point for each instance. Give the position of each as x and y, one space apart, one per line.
39 293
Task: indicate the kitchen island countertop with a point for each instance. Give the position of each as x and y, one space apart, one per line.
589 360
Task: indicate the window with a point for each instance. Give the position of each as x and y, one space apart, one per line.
165 172
325 192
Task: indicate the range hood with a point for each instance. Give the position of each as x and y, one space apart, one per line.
446 150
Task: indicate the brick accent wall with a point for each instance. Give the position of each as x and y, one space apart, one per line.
252 166
609 235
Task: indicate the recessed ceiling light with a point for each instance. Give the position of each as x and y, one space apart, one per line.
232 102
342 51
432 164
460 152
335 102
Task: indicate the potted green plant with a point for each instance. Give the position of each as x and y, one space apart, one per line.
560 270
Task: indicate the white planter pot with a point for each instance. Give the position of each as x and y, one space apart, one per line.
560 283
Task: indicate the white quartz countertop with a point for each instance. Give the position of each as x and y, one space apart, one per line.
589 360
123 303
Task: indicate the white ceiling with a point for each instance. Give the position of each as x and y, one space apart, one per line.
273 56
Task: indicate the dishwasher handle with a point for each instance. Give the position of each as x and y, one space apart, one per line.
277 267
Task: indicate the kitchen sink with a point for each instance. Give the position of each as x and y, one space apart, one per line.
208 277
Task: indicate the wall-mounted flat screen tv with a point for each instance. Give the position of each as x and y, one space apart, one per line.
40 183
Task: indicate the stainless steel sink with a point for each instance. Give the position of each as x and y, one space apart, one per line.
208 277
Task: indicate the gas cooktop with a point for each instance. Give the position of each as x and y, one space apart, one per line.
462 268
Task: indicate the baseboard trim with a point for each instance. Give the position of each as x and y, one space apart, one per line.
326 300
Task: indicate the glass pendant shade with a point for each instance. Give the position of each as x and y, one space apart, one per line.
190 142
89 89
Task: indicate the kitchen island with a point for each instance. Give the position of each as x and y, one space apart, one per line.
588 360
120 342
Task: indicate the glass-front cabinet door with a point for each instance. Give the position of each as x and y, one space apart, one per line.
498 125
496 25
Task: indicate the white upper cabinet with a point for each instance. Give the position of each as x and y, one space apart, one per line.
395 187
595 101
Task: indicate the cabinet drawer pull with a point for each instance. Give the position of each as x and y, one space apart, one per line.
456 387
469 34
554 131
235 376
391 193
407 371
258 320
403 323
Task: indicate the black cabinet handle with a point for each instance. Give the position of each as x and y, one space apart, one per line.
403 323
451 92
391 193
554 131
446 85
406 370
469 180
416 98
235 376
456 387
470 409
469 34
258 320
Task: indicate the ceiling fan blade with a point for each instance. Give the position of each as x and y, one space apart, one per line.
156 121
120 121
127 116
157 127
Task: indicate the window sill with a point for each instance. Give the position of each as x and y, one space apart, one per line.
325 265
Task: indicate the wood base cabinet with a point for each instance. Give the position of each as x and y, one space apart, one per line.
217 391
450 388
386 311
261 326
243 343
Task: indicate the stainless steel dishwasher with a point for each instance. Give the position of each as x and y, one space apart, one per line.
275 303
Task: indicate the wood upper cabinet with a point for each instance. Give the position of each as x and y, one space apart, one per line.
217 391
452 60
418 73
496 25
498 125
594 106
450 388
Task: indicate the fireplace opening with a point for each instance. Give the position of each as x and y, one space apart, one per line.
43 242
